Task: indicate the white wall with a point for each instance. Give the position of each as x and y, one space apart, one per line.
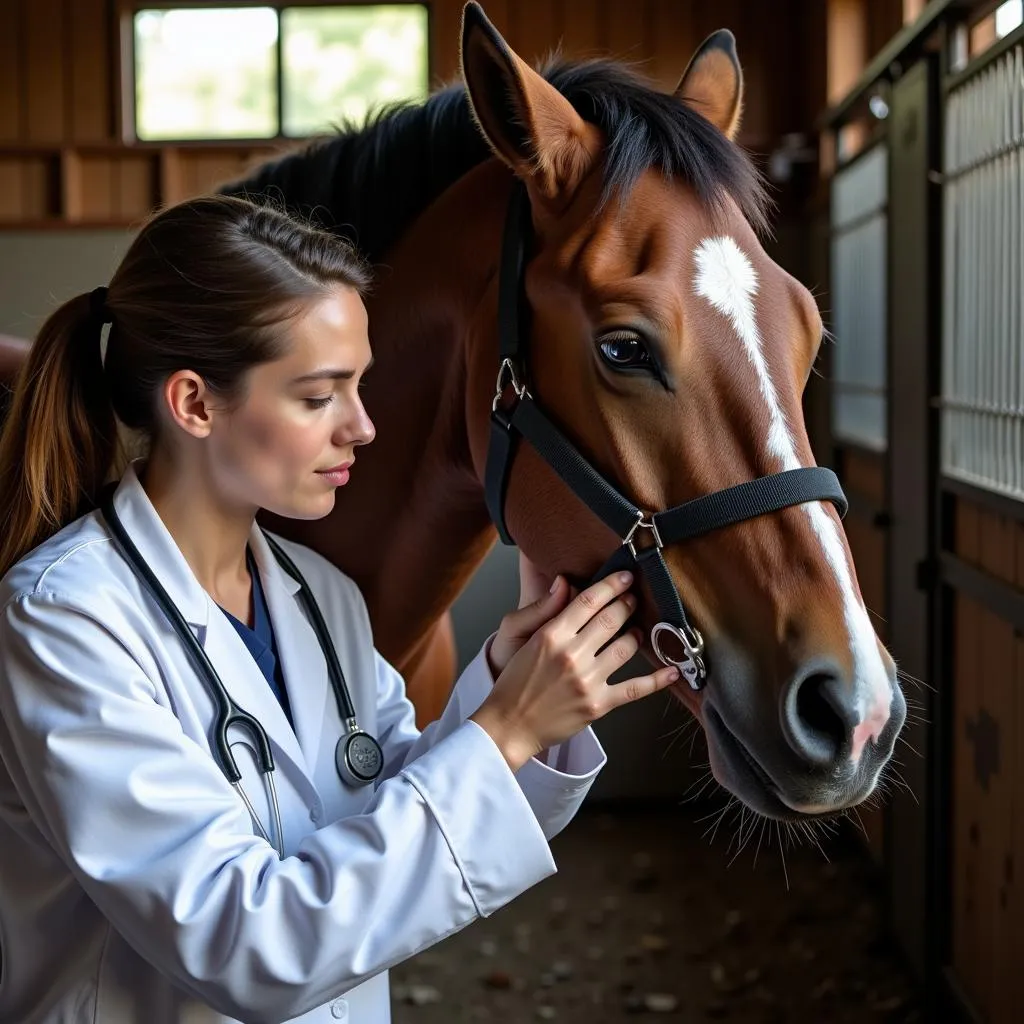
41 269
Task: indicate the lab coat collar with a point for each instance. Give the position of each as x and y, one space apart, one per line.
160 550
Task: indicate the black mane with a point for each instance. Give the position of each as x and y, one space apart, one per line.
369 183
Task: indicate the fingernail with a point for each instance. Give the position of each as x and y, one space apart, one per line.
625 577
554 585
672 675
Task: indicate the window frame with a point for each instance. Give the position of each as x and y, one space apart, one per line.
126 25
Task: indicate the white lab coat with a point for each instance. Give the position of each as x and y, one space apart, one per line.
133 887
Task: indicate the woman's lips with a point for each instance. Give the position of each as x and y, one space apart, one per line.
337 476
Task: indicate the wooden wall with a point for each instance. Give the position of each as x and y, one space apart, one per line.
63 159
987 784
863 476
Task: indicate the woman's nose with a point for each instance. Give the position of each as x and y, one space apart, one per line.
358 428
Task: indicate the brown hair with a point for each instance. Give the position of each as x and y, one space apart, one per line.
206 285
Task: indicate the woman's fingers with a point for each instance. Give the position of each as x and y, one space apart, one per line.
617 653
603 627
589 602
639 687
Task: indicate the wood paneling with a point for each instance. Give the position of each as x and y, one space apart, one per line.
965 826
45 70
1014 872
675 39
863 475
39 188
60 85
11 91
534 29
585 27
91 70
135 186
630 31
11 202
445 25
98 187
988 775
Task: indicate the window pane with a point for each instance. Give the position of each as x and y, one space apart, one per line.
206 73
1008 16
339 62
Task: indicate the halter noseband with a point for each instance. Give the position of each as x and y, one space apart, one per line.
524 418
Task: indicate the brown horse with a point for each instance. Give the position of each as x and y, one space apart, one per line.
674 353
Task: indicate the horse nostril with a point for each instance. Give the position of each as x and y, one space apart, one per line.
818 715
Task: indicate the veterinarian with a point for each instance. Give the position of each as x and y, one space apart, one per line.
214 802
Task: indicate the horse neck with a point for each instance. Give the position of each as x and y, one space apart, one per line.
415 527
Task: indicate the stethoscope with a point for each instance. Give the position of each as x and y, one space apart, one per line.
357 757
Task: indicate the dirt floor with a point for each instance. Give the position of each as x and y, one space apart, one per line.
646 917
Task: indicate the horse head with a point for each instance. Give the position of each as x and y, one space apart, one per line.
673 352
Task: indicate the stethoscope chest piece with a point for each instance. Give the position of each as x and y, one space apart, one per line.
358 758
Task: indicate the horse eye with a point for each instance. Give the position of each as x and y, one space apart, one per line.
625 351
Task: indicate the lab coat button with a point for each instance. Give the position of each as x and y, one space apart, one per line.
339 1009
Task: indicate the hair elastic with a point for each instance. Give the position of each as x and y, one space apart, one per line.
98 305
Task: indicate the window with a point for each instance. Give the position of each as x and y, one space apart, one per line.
260 72
859 303
1008 17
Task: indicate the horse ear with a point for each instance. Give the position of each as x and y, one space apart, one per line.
713 82
527 122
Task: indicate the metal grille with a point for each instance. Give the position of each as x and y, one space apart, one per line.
982 389
859 272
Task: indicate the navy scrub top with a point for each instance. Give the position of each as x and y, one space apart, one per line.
259 640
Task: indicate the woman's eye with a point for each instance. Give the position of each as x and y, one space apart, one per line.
625 351
319 403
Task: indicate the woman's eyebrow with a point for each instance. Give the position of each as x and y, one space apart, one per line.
330 373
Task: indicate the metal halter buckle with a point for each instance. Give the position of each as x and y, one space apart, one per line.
692 667
645 523
508 367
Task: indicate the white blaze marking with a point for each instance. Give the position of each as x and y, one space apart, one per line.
726 278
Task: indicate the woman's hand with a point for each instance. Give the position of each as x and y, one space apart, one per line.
540 600
557 682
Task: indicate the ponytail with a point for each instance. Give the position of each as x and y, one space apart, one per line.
60 437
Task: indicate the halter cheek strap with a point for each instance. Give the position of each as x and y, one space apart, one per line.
644 536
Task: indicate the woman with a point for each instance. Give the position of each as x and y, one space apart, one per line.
137 883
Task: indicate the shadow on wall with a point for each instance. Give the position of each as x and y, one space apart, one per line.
647 761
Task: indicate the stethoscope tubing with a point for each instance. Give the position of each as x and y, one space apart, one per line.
227 712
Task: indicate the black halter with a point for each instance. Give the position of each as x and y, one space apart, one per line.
692 519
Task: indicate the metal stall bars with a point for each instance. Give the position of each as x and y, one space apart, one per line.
983 186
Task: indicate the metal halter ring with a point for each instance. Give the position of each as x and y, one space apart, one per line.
642 522
692 668
507 367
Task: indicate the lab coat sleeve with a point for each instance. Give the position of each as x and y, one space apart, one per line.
555 784
161 843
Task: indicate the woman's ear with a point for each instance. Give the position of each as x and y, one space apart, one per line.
187 402
712 83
